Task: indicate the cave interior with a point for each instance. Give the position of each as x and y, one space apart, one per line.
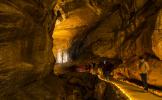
63 49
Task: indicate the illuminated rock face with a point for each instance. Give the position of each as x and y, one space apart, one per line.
130 70
108 28
25 42
157 37
114 29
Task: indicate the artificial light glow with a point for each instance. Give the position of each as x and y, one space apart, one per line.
65 57
62 56
122 90
58 21
59 57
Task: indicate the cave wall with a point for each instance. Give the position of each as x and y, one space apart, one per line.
129 70
25 42
124 36
120 29
156 36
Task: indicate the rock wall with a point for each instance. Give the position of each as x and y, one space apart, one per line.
130 70
116 29
157 36
147 44
110 29
25 42
123 35
70 86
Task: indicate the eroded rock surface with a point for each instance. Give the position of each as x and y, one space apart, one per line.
116 29
130 70
71 86
84 86
25 42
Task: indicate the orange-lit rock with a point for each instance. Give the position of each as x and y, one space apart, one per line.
113 30
85 30
157 37
130 70
25 43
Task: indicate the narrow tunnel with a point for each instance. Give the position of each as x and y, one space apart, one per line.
80 50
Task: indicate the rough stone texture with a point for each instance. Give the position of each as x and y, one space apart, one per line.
84 86
116 29
25 42
130 70
44 89
116 36
120 29
109 29
157 37
71 86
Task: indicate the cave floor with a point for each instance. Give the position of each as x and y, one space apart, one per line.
134 92
131 91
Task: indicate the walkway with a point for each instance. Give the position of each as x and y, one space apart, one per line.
133 92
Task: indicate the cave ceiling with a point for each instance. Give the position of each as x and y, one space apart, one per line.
107 28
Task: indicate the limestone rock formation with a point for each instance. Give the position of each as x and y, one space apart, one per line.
25 42
157 36
84 30
116 29
108 28
70 86
84 86
130 70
